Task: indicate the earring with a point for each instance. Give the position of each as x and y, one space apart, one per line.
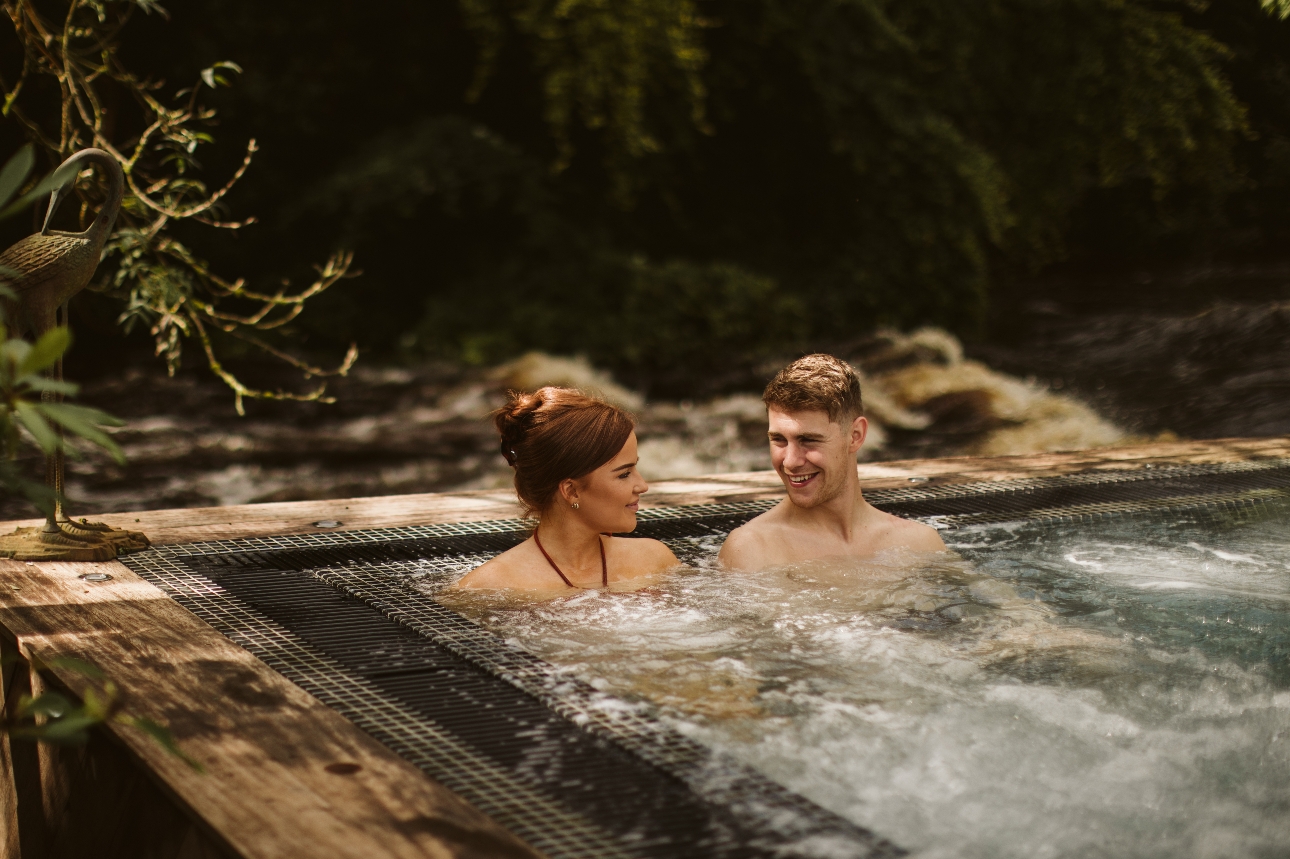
574 505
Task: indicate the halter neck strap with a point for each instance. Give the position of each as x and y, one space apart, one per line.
604 565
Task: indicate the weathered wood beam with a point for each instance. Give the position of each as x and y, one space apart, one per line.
265 744
165 527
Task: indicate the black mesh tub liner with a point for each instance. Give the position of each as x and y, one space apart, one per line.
572 771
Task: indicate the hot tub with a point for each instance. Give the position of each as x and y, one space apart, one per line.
1104 672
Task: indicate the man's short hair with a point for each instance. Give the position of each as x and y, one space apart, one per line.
818 383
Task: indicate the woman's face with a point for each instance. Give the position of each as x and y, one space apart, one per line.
607 497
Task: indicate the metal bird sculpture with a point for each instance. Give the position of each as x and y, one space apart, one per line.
51 267
54 265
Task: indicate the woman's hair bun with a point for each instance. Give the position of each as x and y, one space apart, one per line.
554 434
514 419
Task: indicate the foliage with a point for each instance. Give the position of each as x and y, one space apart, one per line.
600 62
677 314
499 165
12 178
27 419
655 319
52 718
98 101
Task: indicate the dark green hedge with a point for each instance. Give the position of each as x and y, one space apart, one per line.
683 188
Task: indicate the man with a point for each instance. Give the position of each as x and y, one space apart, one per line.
817 426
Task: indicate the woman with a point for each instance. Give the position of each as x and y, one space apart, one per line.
575 472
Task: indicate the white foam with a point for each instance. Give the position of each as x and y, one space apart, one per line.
1014 731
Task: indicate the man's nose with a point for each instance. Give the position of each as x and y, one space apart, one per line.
793 456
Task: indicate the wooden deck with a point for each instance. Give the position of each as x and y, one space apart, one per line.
267 745
165 527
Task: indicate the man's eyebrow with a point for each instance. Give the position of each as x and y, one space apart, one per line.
806 436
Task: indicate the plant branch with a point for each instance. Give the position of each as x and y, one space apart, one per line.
163 283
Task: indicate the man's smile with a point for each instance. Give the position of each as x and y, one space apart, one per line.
799 480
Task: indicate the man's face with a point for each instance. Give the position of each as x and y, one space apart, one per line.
813 455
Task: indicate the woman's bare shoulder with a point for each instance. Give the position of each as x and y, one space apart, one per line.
504 571
643 554
660 553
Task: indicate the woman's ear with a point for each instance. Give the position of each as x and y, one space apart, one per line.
568 490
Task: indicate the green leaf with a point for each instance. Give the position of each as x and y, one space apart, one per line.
85 421
15 172
41 383
212 79
82 414
150 6
15 350
32 421
1279 8
48 349
14 483
69 729
60 177
79 666
97 706
49 704
162 735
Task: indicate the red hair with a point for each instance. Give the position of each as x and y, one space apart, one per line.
556 434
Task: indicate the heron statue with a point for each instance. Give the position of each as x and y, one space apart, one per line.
51 267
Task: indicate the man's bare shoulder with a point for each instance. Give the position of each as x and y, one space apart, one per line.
745 547
908 534
738 548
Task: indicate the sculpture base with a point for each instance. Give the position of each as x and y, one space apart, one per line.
73 541
125 541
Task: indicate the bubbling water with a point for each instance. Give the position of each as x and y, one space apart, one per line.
1118 689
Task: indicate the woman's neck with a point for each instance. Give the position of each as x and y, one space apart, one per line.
571 541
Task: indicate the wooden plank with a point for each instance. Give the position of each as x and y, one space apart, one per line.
165 527
265 743
187 525
758 485
89 799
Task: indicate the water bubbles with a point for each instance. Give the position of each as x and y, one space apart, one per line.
1064 691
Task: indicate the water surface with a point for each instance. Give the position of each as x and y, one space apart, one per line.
1118 689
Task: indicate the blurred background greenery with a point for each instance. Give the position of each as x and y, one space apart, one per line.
667 185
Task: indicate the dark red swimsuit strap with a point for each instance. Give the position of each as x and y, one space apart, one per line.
604 566
537 540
